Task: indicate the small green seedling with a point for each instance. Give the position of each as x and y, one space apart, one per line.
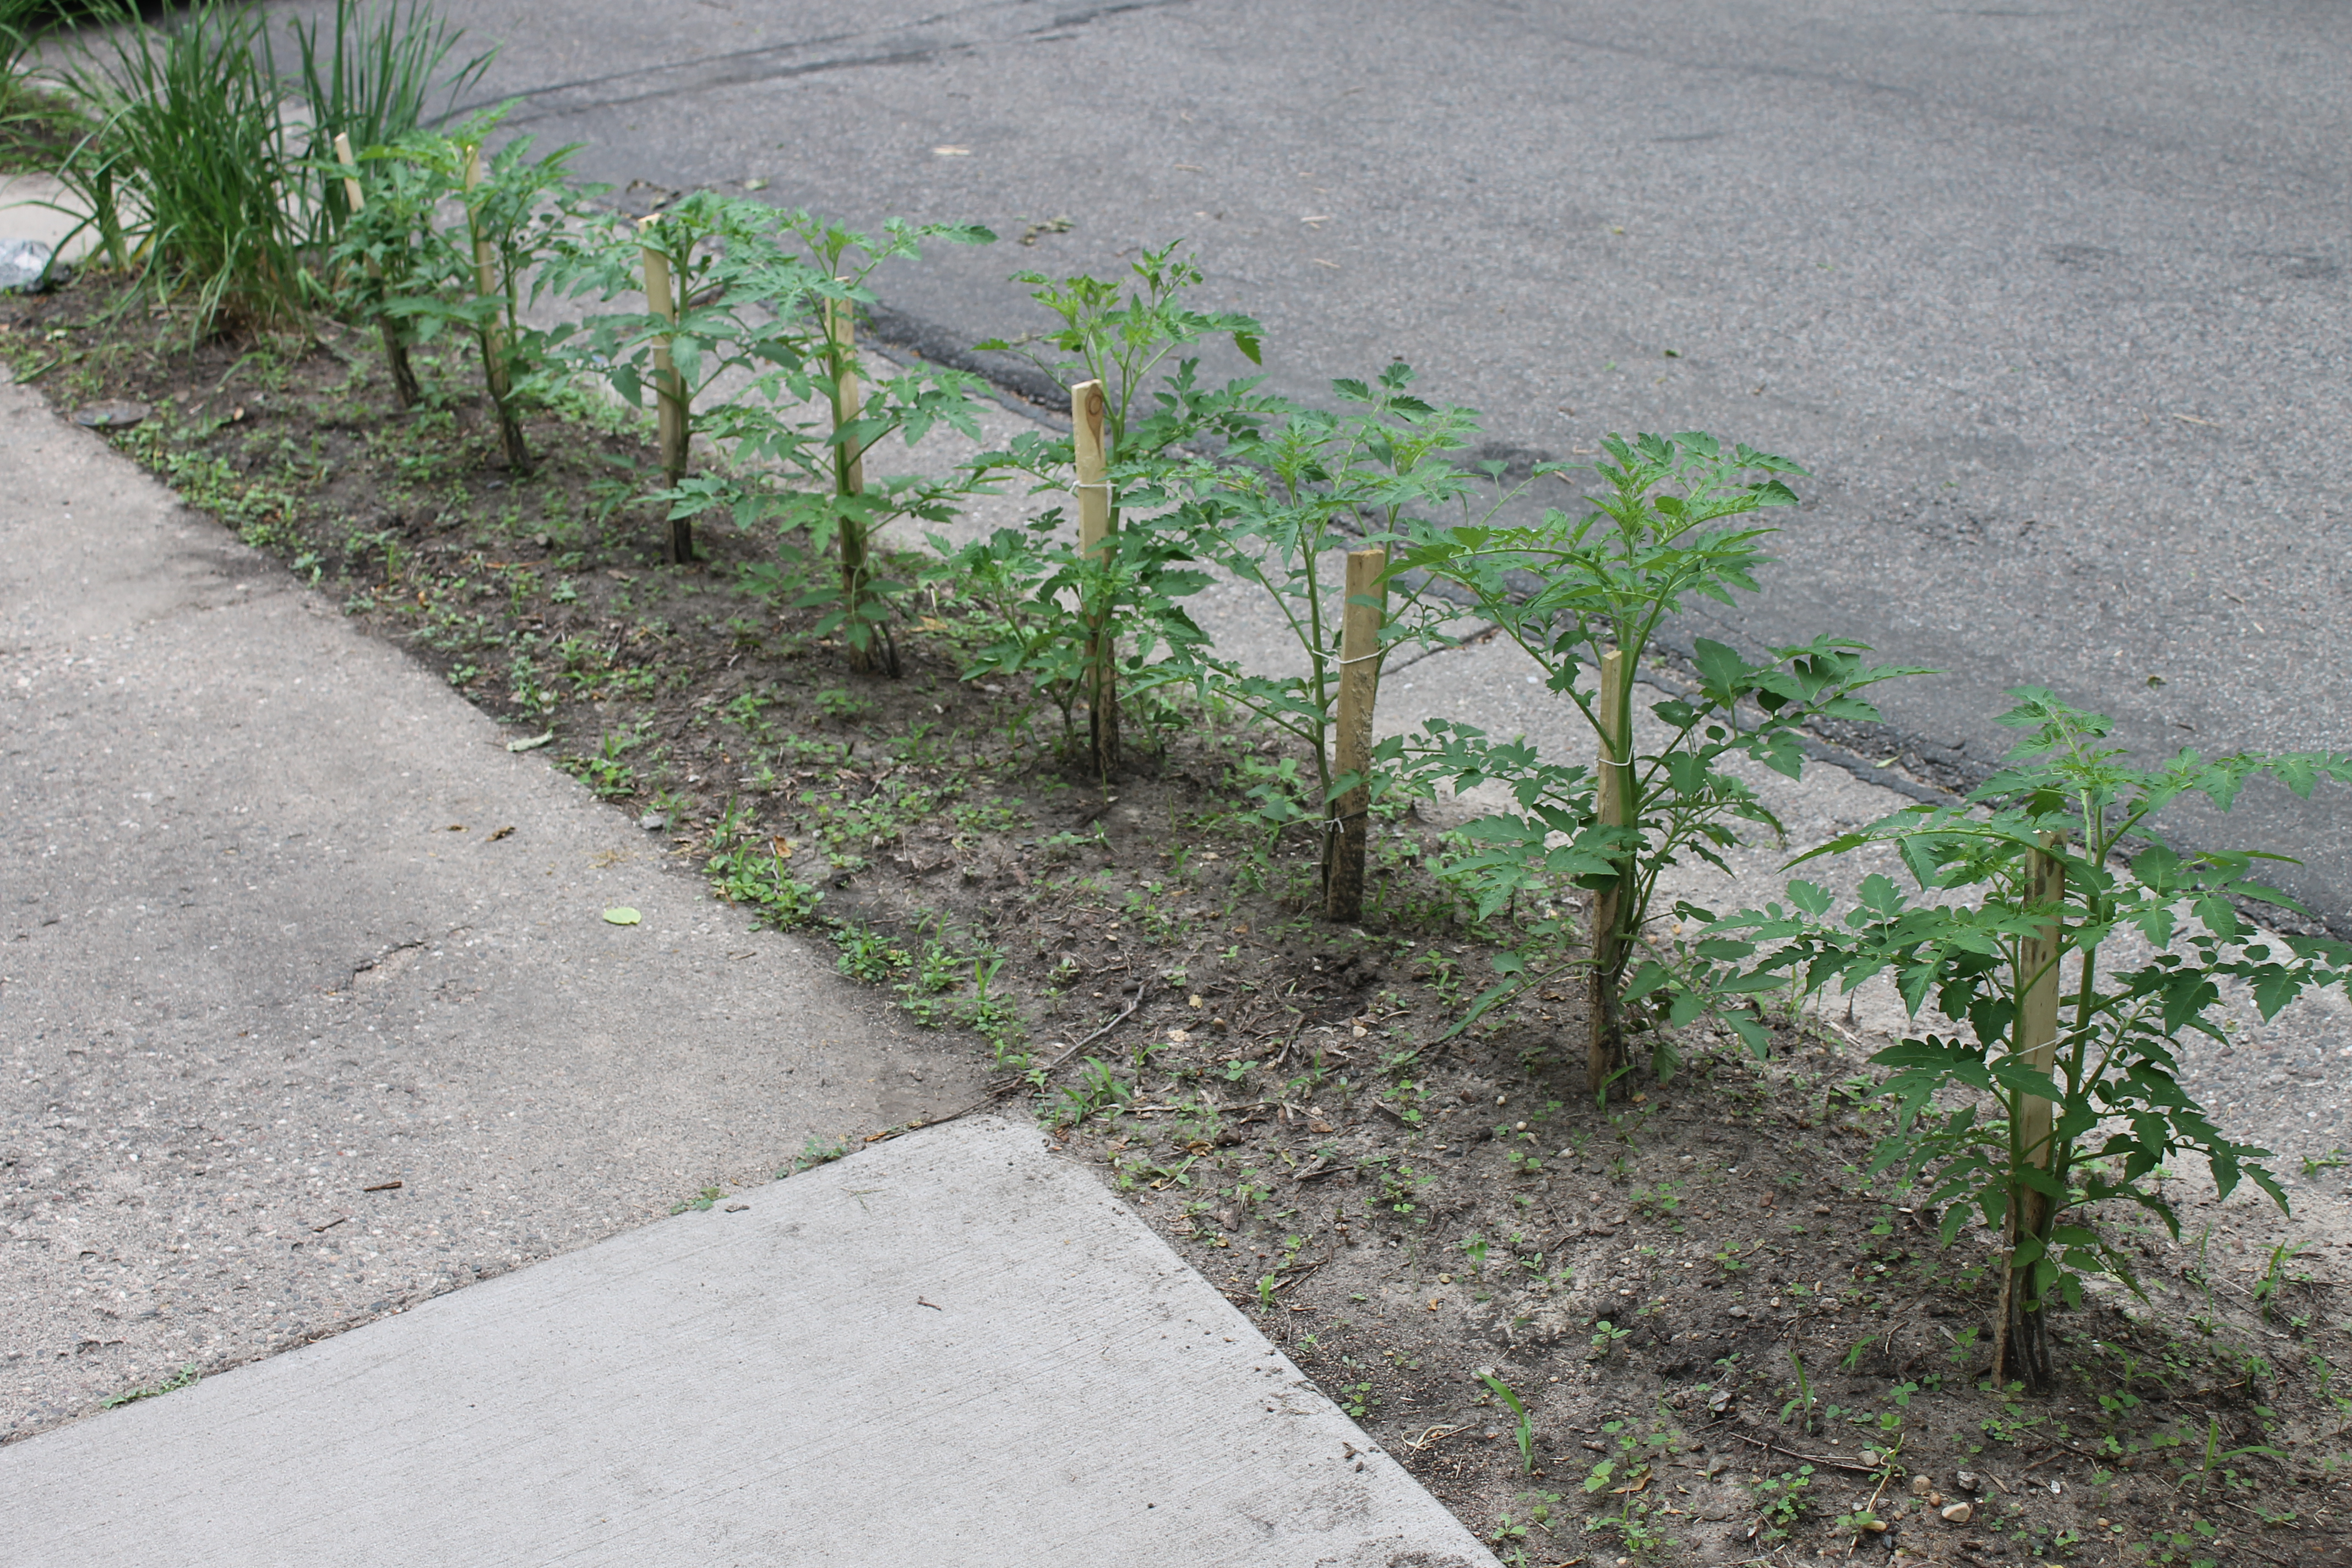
1526 1428
812 1154
1804 1400
699 1202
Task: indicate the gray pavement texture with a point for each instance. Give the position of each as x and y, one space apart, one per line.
2046 297
282 921
1018 1372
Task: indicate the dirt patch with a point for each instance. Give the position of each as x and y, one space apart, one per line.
1730 1343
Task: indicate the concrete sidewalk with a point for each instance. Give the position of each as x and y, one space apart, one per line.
951 1349
308 1003
311 1015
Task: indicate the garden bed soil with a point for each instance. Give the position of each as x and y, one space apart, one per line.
1406 1213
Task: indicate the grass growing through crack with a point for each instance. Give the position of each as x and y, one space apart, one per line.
186 1377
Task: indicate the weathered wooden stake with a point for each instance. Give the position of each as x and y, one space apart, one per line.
1605 1052
395 349
1094 526
2021 1350
352 192
670 390
849 480
487 283
1365 614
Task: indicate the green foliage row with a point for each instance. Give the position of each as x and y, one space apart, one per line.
197 179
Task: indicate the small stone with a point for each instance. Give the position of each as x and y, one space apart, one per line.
1921 1486
1967 1482
653 821
1960 1512
22 263
111 415
1738 1311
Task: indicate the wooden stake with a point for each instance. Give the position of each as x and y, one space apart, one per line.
395 349
849 396
1361 619
1614 805
352 172
669 391
493 332
2037 1042
849 480
1095 528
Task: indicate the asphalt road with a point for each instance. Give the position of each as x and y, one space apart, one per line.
2050 301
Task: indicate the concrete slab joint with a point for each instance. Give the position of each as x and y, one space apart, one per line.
953 1348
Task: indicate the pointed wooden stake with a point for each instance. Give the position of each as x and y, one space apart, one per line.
395 348
871 656
493 334
1095 528
670 390
1605 1050
2021 1350
1365 614
350 172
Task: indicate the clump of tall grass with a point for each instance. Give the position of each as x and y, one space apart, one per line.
19 26
371 73
199 179
31 114
192 174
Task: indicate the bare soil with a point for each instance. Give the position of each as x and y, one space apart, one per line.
1730 1343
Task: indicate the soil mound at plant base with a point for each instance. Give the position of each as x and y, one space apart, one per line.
1726 1335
